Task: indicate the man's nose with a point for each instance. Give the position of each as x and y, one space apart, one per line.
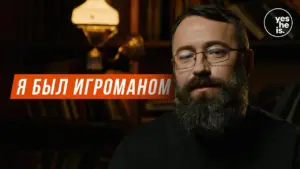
201 65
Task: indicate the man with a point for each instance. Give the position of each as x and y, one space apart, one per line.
213 127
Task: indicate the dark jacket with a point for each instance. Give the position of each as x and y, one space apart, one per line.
262 142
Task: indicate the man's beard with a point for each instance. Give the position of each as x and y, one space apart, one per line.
208 113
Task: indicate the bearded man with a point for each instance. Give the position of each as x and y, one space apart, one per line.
213 126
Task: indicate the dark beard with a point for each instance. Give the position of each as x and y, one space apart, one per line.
209 114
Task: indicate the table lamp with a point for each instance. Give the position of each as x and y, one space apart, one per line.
99 22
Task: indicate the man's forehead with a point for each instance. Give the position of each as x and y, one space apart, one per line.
196 29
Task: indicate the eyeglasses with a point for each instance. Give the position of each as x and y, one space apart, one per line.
187 58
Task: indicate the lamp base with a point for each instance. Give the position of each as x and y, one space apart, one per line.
94 60
98 35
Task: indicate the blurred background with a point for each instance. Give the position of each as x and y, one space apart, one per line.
38 36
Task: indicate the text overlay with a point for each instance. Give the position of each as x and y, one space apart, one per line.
100 86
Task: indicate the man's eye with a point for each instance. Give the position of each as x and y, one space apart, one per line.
185 55
217 52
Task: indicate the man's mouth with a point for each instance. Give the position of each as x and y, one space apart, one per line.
200 89
205 87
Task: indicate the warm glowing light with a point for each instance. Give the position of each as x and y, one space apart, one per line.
95 12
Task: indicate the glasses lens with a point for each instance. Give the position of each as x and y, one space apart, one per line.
185 59
217 55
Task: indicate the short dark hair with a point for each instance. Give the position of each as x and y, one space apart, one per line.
216 13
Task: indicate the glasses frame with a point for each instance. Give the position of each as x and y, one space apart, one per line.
205 57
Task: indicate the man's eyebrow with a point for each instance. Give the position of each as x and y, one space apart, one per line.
213 43
186 47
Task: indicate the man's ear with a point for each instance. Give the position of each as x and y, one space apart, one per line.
249 61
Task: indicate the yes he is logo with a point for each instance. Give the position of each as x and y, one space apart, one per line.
283 22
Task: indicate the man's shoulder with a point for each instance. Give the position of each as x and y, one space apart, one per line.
276 138
270 120
276 131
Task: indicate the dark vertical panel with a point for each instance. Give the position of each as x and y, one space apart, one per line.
143 18
123 8
10 31
9 20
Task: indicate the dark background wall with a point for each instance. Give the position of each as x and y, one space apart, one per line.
34 33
